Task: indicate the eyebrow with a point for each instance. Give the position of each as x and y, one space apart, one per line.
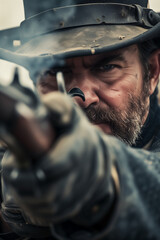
118 57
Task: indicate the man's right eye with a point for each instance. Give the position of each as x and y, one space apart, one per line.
53 72
50 72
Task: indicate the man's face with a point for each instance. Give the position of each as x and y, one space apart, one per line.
113 87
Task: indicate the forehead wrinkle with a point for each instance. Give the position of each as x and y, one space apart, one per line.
83 61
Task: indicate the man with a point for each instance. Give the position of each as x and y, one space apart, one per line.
100 178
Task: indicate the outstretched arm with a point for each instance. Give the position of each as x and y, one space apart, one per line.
76 184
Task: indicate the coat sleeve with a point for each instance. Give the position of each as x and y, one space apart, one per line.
89 182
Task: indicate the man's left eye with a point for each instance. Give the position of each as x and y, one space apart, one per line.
107 67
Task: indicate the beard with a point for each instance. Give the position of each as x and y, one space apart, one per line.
125 125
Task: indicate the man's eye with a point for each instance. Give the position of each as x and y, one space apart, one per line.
50 72
106 67
53 72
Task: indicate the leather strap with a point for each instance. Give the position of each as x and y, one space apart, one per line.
33 7
86 15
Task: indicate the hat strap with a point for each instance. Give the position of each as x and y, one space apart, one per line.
77 16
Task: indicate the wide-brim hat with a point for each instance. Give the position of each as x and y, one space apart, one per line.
61 29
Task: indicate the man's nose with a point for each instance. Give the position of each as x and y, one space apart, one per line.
89 87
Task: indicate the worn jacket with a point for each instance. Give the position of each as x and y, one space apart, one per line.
101 189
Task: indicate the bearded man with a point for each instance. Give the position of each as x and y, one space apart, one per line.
100 178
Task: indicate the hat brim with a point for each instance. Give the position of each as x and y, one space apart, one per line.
87 40
78 41
82 40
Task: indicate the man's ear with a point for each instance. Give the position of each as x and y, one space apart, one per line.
154 69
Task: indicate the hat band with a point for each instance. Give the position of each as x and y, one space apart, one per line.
86 15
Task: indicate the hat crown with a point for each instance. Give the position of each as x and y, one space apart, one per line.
33 7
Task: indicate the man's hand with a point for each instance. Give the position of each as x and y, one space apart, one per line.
57 185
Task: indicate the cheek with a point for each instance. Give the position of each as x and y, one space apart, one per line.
42 90
114 96
117 95
46 84
39 89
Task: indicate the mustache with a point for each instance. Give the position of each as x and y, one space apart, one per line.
99 115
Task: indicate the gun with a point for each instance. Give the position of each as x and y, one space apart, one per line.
24 121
